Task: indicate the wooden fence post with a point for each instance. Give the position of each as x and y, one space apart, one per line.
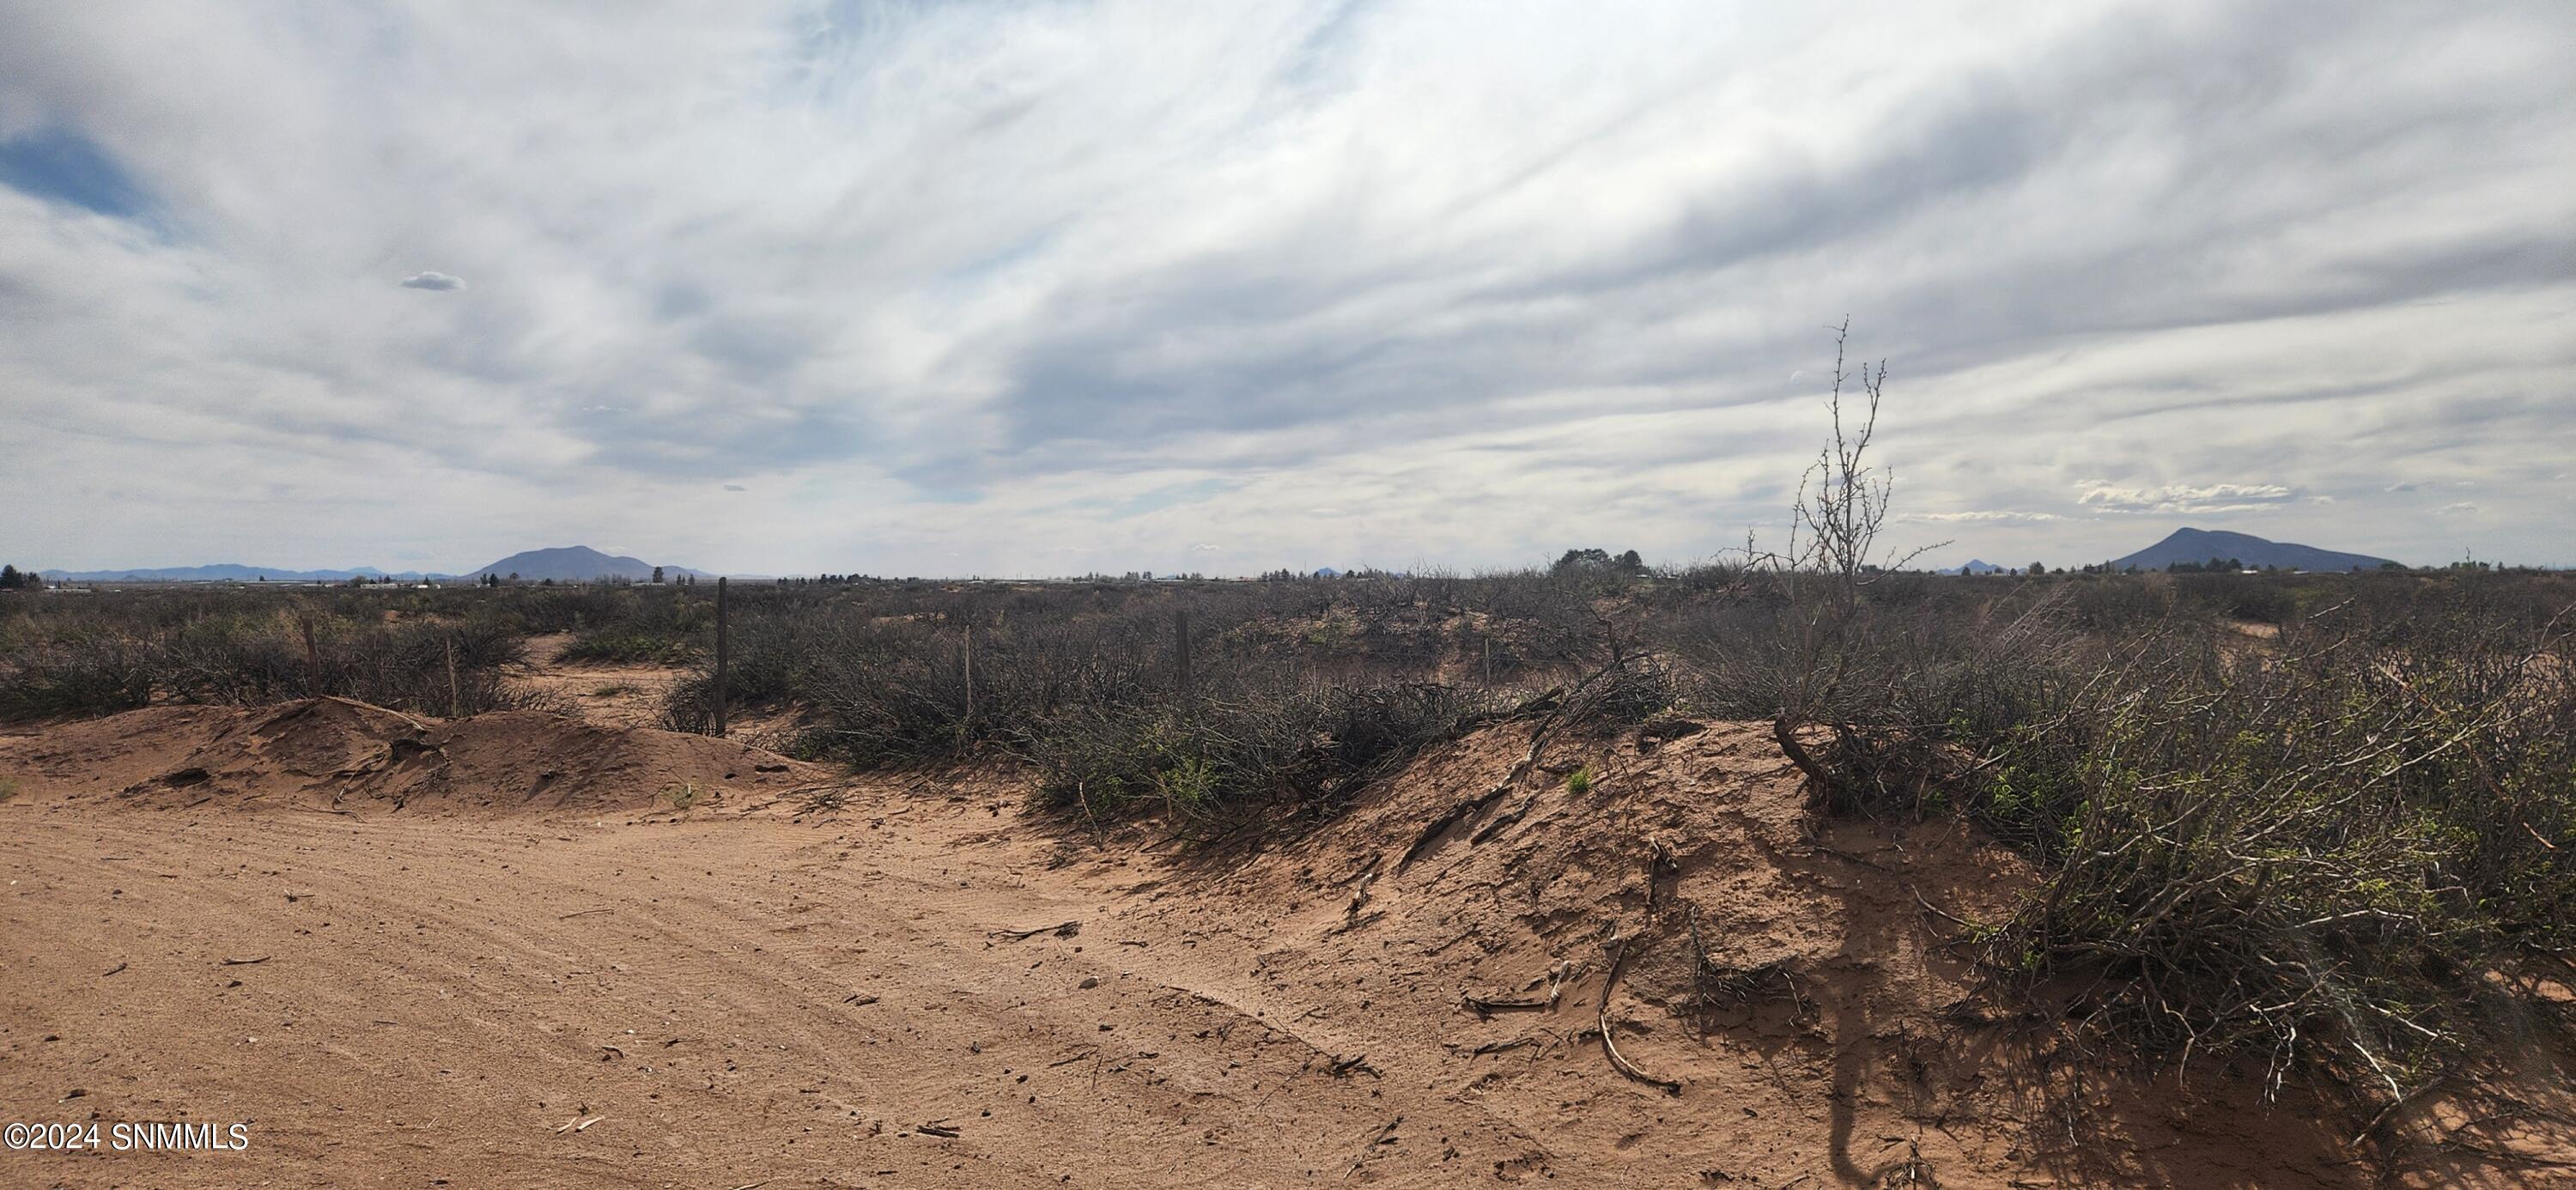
1181 650
966 726
721 649
455 699
312 658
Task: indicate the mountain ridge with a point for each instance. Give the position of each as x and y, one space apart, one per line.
570 563
220 572
577 563
2202 545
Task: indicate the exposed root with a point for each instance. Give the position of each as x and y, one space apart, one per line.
1487 1006
1609 1048
1559 701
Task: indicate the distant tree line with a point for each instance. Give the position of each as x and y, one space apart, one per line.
14 579
1598 561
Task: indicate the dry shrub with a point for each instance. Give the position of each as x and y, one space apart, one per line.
2320 854
2320 857
2336 852
88 673
99 666
1251 747
639 625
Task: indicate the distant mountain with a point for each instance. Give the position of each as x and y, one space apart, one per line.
575 564
569 564
2201 545
223 572
1976 566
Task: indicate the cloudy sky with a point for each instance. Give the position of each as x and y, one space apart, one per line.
1049 288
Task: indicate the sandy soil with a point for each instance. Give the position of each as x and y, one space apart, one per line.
614 695
409 962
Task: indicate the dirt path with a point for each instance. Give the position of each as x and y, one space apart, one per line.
610 695
735 1001
625 995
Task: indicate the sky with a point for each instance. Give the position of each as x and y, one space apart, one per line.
1058 288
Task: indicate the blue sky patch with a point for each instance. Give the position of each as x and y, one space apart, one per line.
59 165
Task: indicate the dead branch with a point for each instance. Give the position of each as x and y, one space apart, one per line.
1344 1067
1384 1135
1565 698
1485 1006
1609 1048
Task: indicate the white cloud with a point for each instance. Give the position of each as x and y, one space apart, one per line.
1426 283
2183 498
1982 515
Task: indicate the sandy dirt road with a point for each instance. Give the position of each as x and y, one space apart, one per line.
732 1002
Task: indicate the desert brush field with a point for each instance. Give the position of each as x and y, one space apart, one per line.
1591 875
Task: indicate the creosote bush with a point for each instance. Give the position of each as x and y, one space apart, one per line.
1091 701
2343 851
76 674
2324 856
2340 852
98 660
1246 748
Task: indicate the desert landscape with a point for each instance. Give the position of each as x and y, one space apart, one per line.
1713 594
1372 879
